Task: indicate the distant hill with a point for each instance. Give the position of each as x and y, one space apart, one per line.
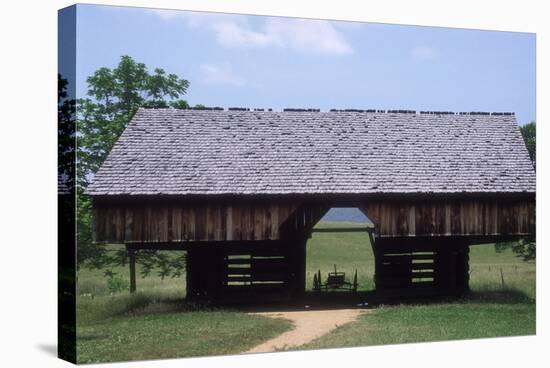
345 215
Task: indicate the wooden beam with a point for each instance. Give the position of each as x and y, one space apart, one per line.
132 255
407 241
343 230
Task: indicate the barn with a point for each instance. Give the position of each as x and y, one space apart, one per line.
240 191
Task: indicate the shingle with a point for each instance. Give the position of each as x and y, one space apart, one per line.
188 152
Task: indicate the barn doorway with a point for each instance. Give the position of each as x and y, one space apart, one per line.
341 238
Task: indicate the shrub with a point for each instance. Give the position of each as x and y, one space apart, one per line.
116 283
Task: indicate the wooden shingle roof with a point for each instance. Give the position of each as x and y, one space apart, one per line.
193 152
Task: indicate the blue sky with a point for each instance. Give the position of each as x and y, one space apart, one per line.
272 62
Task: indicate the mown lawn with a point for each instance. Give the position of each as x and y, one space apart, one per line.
501 302
436 322
349 251
156 333
156 322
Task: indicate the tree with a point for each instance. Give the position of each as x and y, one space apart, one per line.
114 95
66 108
525 248
528 131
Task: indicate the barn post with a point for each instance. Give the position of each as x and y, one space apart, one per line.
379 280
301 268
452 266
296 251
189 273
463 268
132 258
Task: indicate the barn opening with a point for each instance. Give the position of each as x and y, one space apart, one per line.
340 243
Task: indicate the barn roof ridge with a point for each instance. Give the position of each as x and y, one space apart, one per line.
347 110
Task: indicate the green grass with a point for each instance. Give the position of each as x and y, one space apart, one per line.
93 282
437 322
489 268
158 333
157 323
349 251
501 302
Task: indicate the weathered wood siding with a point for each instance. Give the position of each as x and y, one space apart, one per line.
457 217
158 222
127 223
144 222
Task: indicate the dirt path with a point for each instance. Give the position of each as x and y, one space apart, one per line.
308 325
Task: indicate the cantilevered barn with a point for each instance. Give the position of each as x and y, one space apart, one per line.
241 190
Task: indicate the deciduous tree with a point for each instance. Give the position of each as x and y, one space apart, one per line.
114 95
526 249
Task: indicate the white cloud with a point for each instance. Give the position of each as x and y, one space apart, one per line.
423 53
221 74
307 35
232 31
164 14
231 34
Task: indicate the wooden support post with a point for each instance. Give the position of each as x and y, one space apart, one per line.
378 281
204 272
132 256
296 255
301 284
188 274
463 268
466 268
452 269
444 272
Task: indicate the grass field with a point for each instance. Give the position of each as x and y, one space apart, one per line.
501 303
156 322
349 251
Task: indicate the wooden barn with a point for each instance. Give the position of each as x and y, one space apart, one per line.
241 191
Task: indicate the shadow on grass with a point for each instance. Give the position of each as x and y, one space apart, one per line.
373 299
146 304
140 304
504 296
489 296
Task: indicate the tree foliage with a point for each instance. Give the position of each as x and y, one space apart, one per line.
526 249
114 95
529 133
66 108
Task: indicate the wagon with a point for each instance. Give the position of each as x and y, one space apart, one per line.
335 281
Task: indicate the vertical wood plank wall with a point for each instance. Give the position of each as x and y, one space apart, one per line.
136 222
127 223
447 218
